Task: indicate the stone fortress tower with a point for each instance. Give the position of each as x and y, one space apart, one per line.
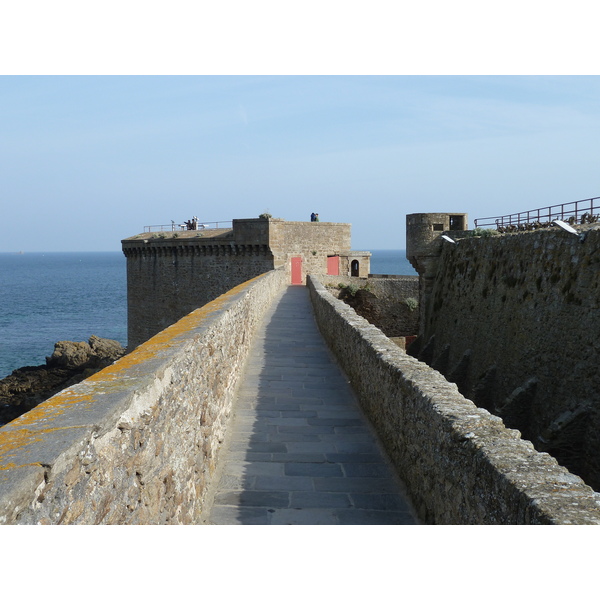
423 231
423 246
172 273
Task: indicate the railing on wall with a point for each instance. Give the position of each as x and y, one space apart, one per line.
183 226
581 211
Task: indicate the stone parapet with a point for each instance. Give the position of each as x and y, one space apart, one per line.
136 443
460 463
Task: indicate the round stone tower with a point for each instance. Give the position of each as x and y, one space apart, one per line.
423 231
423 248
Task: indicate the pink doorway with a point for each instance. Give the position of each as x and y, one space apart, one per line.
333 265
296 270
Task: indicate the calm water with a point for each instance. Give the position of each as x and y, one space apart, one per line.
47 297
390 262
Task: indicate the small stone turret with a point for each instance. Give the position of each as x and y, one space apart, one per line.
423 231
423 247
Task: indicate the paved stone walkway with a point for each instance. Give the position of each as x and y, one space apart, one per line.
301 451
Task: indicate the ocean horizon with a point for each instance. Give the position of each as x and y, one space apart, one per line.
46 297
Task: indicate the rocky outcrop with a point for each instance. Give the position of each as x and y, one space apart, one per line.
70 363
388 308
95 354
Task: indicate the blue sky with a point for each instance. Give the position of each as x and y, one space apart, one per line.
88 160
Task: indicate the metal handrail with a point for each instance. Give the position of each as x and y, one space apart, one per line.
581 211
183 227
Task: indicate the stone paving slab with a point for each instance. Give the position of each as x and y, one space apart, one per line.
301 451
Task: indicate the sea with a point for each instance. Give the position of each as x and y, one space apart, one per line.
46 297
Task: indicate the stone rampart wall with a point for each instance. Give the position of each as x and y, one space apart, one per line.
165 283
385 301
460 463
514 321
137 442
392 287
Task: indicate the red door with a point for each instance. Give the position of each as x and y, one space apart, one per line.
333 265
296 270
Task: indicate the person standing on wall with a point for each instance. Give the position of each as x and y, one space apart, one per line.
313 217
317 217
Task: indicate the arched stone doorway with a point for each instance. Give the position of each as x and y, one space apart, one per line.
354 268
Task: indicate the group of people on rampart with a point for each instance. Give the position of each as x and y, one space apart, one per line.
314 217
192 224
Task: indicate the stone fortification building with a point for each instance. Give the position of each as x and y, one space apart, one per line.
171 273
510 323
423 247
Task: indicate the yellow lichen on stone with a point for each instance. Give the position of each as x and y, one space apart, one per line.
50 409
13 440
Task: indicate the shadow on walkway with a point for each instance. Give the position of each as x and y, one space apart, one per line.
300 450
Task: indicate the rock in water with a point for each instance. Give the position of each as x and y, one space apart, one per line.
106 351
69 355
95 354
